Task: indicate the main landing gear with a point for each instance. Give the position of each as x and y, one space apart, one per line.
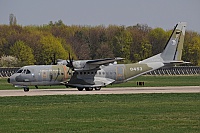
89 88
26 89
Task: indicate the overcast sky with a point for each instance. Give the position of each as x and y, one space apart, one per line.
154 13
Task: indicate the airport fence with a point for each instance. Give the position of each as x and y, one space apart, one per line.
179 70
7 71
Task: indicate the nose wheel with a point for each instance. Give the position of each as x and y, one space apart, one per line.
26 89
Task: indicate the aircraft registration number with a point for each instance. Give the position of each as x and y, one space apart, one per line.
135 68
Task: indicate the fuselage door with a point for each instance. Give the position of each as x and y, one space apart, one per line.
119 73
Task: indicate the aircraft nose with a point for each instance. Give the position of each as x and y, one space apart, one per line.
8 80
11 79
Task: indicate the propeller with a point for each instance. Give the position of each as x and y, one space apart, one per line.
53 59
70 62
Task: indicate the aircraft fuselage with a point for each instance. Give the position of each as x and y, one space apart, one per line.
96 78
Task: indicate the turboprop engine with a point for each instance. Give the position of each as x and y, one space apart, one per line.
79 64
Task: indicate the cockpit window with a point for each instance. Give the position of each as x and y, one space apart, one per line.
28 71
20 71
25 71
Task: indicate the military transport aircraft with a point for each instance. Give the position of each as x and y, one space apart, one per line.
94 74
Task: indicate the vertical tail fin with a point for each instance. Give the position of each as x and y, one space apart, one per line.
174 46
173 49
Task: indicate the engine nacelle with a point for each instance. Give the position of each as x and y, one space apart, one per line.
79 64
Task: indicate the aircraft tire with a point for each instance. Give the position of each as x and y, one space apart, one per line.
26 89
80 88
88 88
97 88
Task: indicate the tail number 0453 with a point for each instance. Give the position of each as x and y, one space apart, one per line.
136 69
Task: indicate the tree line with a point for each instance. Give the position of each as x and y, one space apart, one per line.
26 45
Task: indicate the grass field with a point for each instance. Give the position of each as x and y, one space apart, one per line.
150 113
149 81
153 81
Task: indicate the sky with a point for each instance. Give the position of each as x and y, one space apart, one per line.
154 13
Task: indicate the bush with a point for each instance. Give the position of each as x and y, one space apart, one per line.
8 61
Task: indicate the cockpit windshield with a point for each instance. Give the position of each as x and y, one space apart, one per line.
20 71
25 71
28 71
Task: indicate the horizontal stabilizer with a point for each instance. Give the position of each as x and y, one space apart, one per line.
176 63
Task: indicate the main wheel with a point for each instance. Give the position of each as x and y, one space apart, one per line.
88 88
80 88
26 89
98 88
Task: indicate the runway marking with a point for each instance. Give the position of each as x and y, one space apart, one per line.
125 90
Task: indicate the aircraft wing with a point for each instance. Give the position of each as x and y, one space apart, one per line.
103 61
87 64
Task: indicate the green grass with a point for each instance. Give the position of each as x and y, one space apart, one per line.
153 81
151 113
149 81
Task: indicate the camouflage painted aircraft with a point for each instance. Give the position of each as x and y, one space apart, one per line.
93 74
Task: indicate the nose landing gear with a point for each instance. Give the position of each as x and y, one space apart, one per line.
8 80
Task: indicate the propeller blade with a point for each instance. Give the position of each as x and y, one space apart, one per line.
70 62
53 59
